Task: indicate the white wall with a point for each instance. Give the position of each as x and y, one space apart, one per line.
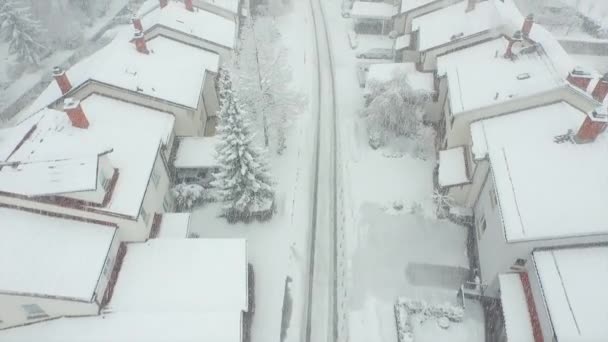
106 272
211 102
157 30
12 312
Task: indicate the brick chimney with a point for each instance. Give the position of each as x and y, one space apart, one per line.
527 26
189 5
140 42
75 113
470 5
579 78
163 3
62 80
515 39
137 23
601 89
595 123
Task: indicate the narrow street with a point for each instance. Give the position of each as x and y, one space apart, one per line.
321 307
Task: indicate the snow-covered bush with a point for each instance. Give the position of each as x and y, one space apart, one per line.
187 195
243 181
394 109
443 202
406 309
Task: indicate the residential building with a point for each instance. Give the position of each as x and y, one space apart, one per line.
53 266
193 26
206 299
499 77
145 73
102 159
456 27
558 297
234 10
542 183
410 9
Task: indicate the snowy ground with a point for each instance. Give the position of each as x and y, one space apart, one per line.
389 252
34 75
278 249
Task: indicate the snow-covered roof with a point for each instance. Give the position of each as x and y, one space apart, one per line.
452 167
50 177
49 256
518 324
384 72
536 177
372 10
231 6
155 74
574 282
183 275
196 152
480 76
11 137
453 23
174 225
409 5
200 23
130 327
113 125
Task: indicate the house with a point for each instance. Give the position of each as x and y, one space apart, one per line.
100 159
53 265
195 160
498 77
189 25
456 27
410 9
418 81
373 17
206 297
542 183
559 297
145 73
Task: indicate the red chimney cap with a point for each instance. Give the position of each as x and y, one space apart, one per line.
57 70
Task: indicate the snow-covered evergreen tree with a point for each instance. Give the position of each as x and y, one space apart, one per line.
21 31
263 77
243 181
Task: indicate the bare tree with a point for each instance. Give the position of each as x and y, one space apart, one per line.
394 109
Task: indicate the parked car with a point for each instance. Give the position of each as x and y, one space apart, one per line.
347 5
352 39
377 53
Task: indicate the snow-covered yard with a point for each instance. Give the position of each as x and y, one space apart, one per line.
395 246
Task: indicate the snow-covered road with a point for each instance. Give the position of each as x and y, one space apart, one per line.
321 308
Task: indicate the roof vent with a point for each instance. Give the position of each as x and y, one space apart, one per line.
523 76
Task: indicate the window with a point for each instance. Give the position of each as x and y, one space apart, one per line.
493 200
155 177
481 226
145 216
34 311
